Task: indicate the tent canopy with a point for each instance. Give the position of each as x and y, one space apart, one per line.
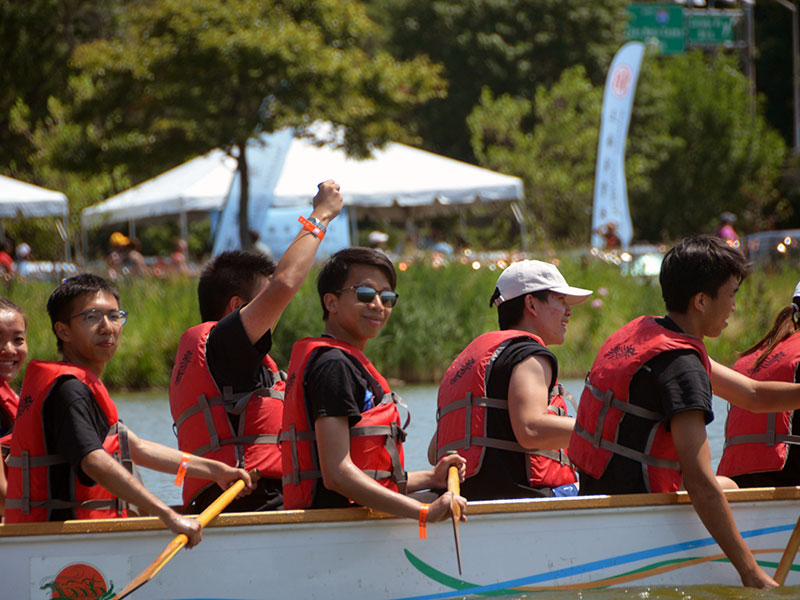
199 185
20 198
395 176
398 181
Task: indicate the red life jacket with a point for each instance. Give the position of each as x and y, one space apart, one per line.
29 496
8 404
200 413
376 441
463 399
757 442
604 403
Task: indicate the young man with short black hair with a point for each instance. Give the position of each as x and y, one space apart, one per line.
69 447
226 392
342 433
642 416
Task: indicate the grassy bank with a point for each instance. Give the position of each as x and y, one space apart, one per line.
440 311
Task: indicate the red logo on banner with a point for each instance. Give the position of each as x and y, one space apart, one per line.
79 580
621 80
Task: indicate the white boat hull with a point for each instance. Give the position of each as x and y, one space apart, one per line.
518 547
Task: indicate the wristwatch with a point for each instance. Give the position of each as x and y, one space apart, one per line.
317 223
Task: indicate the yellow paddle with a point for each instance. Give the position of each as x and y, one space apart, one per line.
788 555
454 487
208 515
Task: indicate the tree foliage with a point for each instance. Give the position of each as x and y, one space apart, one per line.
38 37
722 156
182 77
693 150
510 46
554 157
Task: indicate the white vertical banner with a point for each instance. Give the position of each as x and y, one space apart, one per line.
265 158
610 189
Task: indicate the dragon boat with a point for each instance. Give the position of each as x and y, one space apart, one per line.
518 546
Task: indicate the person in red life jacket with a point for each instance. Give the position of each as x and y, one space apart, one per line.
761 449
69 451
508 379
341 439
641 420
225 393
13 350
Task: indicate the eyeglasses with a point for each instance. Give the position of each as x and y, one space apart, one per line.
94 316
367 294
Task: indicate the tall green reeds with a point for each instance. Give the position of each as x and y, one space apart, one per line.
440 311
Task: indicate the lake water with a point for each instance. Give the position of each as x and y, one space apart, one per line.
147 413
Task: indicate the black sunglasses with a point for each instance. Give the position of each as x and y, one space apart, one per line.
367 294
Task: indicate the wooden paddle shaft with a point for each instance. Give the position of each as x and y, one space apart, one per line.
788 555
180 540
454 486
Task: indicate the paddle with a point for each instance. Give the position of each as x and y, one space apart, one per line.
208 515
454 486
788 555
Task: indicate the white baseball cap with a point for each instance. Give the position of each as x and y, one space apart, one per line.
796 297
528 276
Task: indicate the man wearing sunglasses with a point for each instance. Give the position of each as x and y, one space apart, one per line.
342 434
72 458
505 384
226 393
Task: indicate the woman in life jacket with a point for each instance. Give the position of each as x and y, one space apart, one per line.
761 449
13 351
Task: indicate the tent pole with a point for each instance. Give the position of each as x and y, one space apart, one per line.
520 219
67 245
84 243
184 226
131 228
353 217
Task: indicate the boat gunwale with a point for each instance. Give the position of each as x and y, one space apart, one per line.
334 515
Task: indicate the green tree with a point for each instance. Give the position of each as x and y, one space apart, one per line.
510 46
183 77
722 158
555 158
693 150
37 39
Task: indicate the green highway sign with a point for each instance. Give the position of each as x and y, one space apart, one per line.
712 27
674 28
660 23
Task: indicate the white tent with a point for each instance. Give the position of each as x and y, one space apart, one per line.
397 179
18 198
199 185
284 172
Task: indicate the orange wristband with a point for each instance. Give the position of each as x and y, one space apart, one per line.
182 468
423 520
317 231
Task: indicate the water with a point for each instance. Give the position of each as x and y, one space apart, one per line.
147 413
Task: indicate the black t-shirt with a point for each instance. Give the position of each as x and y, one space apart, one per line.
74 426
504 474
335 387
669 383
235 362
790 474
6 422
